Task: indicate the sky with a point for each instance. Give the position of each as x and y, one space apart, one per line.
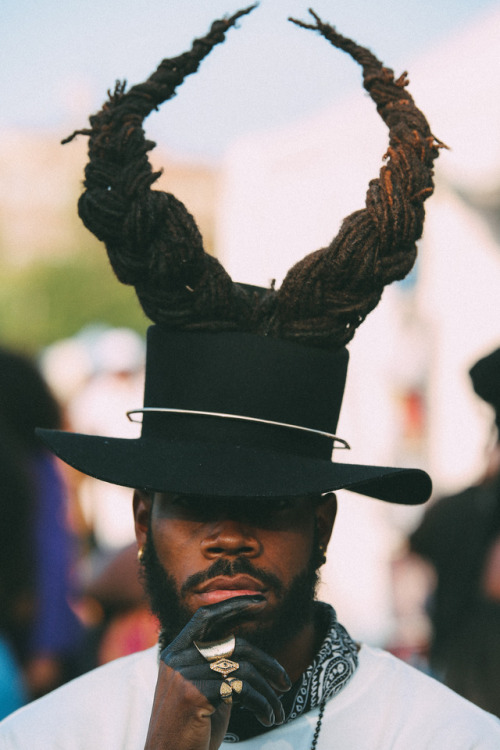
58 60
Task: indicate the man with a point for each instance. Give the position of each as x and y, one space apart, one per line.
459 536
234 502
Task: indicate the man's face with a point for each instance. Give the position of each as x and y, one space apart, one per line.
199 551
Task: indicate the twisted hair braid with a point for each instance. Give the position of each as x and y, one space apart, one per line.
152 241
326 296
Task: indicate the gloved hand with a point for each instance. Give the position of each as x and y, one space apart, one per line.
261 676
188 711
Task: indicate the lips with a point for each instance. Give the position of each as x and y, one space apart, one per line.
226 587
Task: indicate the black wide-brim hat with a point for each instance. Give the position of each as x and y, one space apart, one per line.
485 376
236 414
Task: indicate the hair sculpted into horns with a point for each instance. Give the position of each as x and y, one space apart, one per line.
154 244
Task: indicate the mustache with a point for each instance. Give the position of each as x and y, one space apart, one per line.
238 566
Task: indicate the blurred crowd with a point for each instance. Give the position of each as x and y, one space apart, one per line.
459 537
70 593
70 596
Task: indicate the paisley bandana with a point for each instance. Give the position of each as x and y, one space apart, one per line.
331 670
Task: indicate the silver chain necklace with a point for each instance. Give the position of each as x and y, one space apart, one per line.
318 724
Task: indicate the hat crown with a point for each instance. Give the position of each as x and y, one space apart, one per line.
241 375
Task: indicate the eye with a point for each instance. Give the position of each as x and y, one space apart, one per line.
266 510
179 501
188 505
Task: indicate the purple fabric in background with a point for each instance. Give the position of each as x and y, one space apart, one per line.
56 630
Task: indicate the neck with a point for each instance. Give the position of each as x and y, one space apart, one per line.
296 655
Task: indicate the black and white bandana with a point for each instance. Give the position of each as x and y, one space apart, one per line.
331 670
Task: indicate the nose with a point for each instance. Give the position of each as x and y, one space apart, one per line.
230 538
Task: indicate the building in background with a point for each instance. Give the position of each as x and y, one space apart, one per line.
41 180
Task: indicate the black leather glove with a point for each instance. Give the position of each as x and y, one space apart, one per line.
261 676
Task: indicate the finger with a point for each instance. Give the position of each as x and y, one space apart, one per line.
206 621
250 676
248 697
216 619
266 665
257 703
246 673
188 657
272 670
210 689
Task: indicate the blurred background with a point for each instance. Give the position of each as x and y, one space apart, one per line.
270 145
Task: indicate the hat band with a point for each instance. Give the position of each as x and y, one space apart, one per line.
344 445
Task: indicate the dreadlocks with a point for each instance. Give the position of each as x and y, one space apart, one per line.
325 297
153 242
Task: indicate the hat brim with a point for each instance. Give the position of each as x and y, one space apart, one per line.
221 470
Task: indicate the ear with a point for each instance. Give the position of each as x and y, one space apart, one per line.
142 504
326 511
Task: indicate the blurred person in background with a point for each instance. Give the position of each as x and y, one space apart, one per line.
16 573
99 407
460 536
96 375
122 622
42 627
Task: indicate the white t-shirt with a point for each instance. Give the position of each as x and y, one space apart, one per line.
387 705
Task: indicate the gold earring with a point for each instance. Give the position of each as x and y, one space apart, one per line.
322 550
140 553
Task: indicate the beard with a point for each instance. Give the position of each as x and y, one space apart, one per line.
293 611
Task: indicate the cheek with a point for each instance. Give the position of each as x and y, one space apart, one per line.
289 553
175 549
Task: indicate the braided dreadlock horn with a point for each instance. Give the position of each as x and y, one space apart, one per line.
326 296
152 241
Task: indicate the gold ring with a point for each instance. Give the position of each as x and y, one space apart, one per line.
235 683
228 687
224 666
216 650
